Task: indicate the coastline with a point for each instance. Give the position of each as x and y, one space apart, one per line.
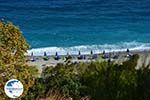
144 58
86 49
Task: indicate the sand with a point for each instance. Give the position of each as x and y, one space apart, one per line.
51 62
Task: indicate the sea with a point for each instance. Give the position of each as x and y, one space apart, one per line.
69 26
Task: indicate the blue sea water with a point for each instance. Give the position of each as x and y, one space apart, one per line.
85 25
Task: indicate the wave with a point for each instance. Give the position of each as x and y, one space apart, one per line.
86 49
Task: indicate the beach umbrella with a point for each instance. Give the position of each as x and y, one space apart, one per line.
32 57
45 54
104 52
91 52
56 54
31 54
128 50
79 53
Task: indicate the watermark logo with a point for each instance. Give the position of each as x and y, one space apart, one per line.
13 88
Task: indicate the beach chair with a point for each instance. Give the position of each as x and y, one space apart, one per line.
94 56
32 59
56 57
105 55
80 57
115 56
129 55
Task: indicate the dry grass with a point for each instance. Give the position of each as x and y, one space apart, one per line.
57 95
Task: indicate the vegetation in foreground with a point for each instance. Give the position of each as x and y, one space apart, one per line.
93 81
12 60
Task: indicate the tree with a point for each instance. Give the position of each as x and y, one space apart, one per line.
13 65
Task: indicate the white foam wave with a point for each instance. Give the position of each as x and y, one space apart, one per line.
85 49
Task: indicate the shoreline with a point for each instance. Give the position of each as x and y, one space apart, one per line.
87 53
85 49
51 62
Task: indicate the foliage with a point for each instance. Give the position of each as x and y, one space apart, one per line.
13 46
98 81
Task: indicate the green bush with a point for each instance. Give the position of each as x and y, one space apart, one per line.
98 81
